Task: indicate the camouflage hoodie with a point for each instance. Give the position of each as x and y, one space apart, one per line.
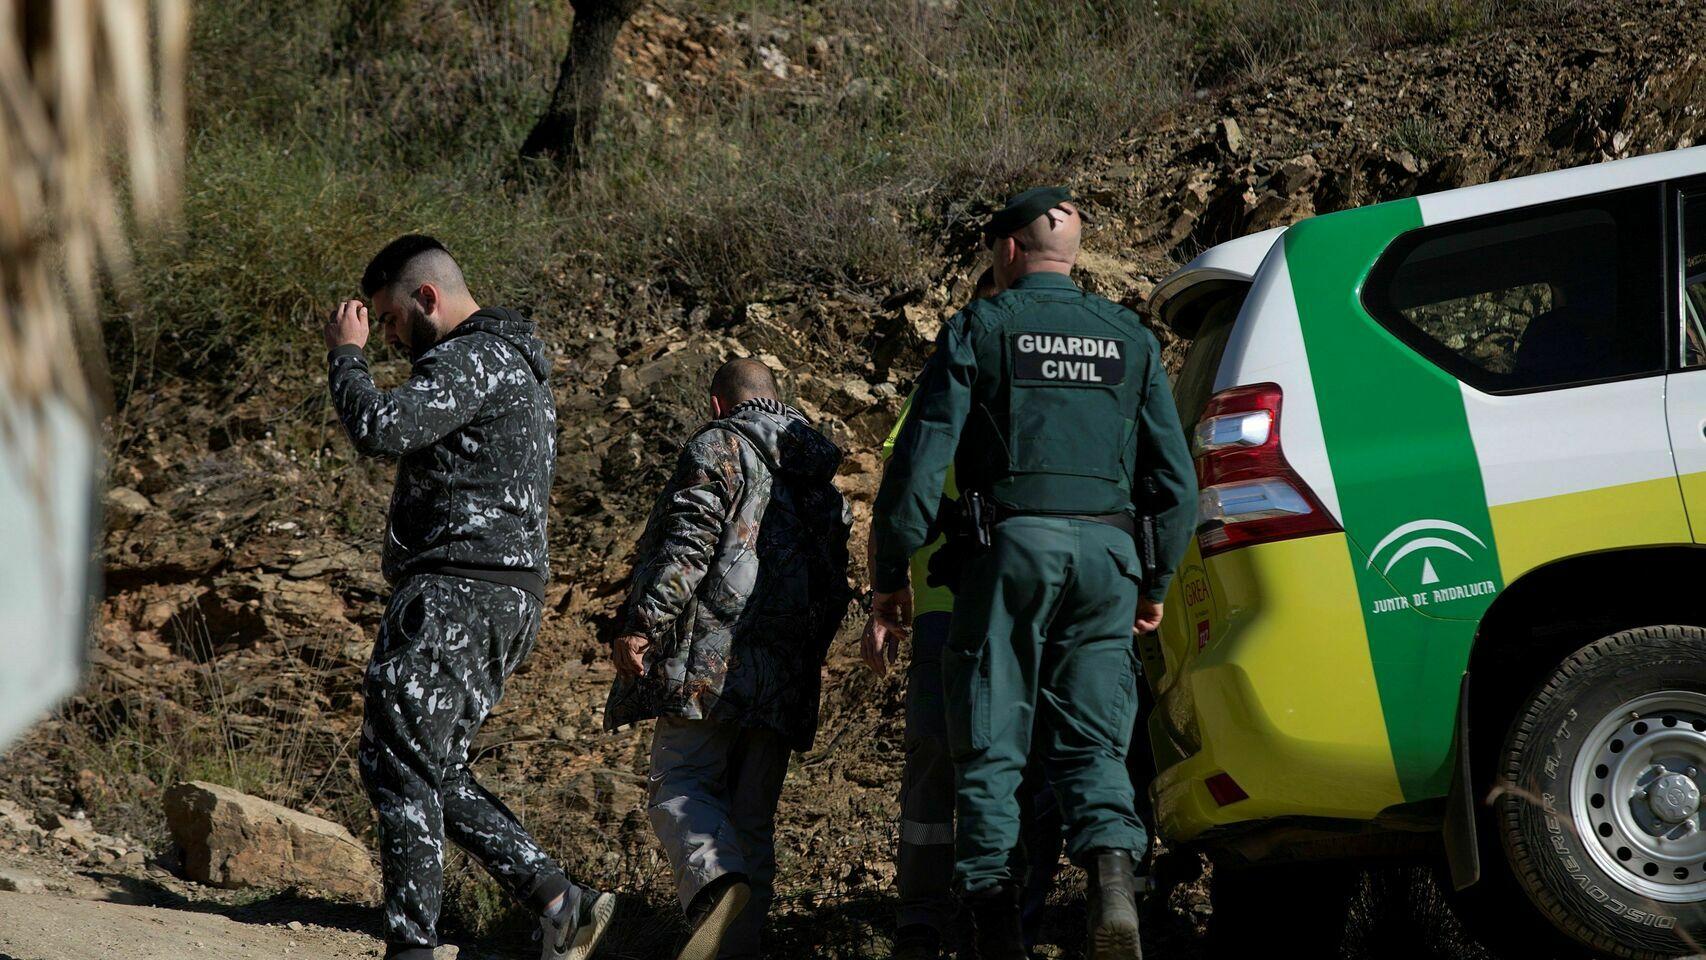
741 578
475 428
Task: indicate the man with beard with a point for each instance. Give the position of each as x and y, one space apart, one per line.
474 433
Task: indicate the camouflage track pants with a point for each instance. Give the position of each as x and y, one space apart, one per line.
446 646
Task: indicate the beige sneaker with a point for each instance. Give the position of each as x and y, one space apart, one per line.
713 920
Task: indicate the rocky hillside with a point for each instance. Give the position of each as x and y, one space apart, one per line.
242 586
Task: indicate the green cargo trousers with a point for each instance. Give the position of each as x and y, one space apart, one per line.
1042 632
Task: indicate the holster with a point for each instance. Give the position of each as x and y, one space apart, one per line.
1147 548
965 525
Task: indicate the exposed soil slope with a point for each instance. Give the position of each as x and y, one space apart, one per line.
243 591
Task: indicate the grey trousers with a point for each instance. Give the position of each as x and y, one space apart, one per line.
714 791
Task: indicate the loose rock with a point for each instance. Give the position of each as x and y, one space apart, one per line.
14 881
1231 136
233 840
125 506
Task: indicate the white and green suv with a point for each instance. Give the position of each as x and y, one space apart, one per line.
1448 589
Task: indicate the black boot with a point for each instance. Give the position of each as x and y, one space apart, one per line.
1112 906
995 922
917 943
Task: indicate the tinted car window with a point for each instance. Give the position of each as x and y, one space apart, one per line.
1694 280
1195 383
1546 297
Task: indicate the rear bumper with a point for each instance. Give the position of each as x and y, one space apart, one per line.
1270 681
1409 831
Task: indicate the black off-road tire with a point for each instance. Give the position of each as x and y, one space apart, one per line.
1580 717
1280 909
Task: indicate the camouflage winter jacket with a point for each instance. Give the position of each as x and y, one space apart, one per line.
475 427
740 581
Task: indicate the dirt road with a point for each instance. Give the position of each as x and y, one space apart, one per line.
47 927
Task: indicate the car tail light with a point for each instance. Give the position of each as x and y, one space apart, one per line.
1249 493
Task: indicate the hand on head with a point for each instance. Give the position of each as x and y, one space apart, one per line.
347 326
418 292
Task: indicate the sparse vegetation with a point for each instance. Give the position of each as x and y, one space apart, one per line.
361 122
1422 137
133 746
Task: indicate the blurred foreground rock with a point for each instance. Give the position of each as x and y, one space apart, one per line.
231 839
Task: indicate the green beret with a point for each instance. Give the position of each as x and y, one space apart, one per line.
1024 208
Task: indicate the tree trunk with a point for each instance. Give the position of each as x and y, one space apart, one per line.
561 135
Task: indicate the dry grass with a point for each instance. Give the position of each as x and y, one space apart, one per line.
257 732
350 130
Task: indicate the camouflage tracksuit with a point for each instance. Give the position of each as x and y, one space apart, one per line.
475 428
446 646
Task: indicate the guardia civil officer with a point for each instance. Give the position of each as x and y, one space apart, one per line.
1054 409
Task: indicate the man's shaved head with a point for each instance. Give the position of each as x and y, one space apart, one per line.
741 380
409 261
1053 236
1048 244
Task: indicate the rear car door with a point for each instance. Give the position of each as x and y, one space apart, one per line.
1546 441
1553 319
1685 392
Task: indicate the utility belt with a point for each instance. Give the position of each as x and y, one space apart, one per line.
967 527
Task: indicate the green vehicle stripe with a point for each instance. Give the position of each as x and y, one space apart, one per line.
1409 487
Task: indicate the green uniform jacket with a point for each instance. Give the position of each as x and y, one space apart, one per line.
962 412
